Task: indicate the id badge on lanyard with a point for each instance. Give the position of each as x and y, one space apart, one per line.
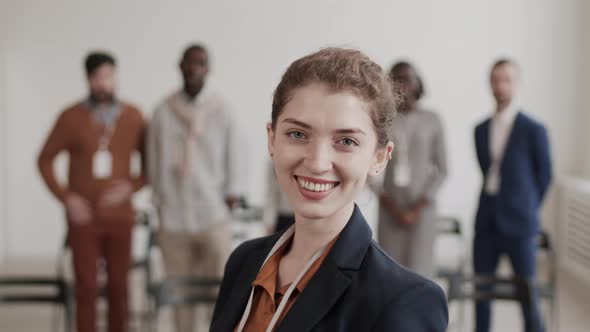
102 161
102 164
402 174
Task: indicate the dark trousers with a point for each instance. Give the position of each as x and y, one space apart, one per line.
111 241
522 252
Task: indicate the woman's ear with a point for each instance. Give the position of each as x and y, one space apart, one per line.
271 139
382 157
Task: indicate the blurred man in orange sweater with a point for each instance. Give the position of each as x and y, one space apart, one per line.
100 134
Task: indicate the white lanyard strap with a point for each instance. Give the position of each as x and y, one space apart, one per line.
291 288
109 122
105 138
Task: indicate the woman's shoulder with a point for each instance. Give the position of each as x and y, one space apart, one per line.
380 267
403 300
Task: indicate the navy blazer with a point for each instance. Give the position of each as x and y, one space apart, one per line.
525 174
357 288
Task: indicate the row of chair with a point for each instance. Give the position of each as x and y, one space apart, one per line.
460 284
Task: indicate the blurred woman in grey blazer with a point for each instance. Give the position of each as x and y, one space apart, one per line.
407 216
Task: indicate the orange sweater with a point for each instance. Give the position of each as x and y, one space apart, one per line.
77 132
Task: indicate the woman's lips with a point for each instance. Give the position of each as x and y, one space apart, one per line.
315 189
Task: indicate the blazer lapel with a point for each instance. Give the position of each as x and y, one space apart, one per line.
485 145
332 279
316 300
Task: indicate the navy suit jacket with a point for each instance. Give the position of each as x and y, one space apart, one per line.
357 288
525 174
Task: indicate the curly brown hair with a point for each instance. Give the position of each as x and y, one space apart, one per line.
342 70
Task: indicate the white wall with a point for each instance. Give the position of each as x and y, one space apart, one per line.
453 43
3 232
583 90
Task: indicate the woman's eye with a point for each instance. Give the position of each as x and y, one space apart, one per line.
296 134
348 142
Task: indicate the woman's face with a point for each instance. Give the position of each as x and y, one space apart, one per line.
324 146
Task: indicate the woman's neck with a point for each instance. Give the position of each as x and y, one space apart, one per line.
311 235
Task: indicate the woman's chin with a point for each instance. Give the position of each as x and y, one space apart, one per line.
310 211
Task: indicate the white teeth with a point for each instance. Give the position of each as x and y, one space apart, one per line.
317 187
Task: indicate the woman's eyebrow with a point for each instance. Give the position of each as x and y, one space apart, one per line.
297 123
338 131
350 131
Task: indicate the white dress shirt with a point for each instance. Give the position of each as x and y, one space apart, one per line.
500 130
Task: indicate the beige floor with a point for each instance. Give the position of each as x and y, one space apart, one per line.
572 309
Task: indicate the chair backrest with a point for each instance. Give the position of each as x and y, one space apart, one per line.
545 246
185 291
452 259
449 225
482 288
143 234
490 287
27 289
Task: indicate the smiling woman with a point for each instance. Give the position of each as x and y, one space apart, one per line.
329 132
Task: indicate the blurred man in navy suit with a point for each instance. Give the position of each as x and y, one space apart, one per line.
513 154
